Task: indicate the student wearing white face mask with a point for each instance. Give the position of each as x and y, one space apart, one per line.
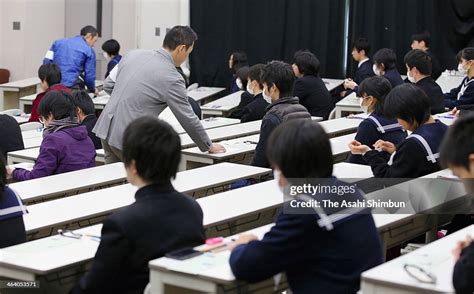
245 98
111 53
257 108
419 68
385 61
376 126
463 96
277 79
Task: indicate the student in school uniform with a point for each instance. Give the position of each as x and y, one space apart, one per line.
461 162
11 213
464 94
160 220
194 104
85 112
422 41
257 108
245 97
360 53
316 256
309 87
11 135
112 53
277 78
418 64
415 156
377 126
66 146
50 79
237 60
385 61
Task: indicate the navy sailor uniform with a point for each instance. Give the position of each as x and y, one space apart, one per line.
374 128
462 95
12 227
416 156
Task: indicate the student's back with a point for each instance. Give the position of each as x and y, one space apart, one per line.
159 221
393 76
314 96
11 135
434 92
255 110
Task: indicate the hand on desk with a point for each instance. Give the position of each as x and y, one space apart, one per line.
243 239
217 148
460 246
349 84
455 112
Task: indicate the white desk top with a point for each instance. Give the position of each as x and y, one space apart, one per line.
209 123
448 82
204 92
227 132
339 145
29 98
339 125
225 103
21 119
32 142
79 207
71 181
350 101
332 84
445 118
209 266
32 153
21 83
435 257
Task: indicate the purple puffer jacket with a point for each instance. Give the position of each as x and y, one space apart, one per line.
62 151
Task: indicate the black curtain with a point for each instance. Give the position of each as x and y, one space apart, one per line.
390 23
266 30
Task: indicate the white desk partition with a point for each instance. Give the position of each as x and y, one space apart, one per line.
435 258
70 183
348 104
448 82
332 84
202 93
79 209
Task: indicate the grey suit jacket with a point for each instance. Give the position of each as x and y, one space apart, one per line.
146 83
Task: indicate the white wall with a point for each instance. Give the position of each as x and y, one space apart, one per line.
42 22
124 22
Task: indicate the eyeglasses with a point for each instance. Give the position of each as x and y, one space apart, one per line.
74 235
41 120
420 274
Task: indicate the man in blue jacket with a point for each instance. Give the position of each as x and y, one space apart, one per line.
76 58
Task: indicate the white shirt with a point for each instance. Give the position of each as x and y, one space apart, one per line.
362 61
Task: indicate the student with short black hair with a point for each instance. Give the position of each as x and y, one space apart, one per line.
422 41
245 97
112 53
463 95
459 137
418 64
385 61
377 126
11 213
160 220
12 140
277 78
308 251
237 60
85 111
309 87
360 53
257 108
415 156
66 146
50 79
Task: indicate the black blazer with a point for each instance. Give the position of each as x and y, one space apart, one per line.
434 92
464 271
364 71
314 95
11 135
161 220
89 121
245 99
436 69
393 76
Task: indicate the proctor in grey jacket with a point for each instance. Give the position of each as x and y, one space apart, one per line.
146 83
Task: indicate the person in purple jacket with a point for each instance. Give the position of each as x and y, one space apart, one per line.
66 145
